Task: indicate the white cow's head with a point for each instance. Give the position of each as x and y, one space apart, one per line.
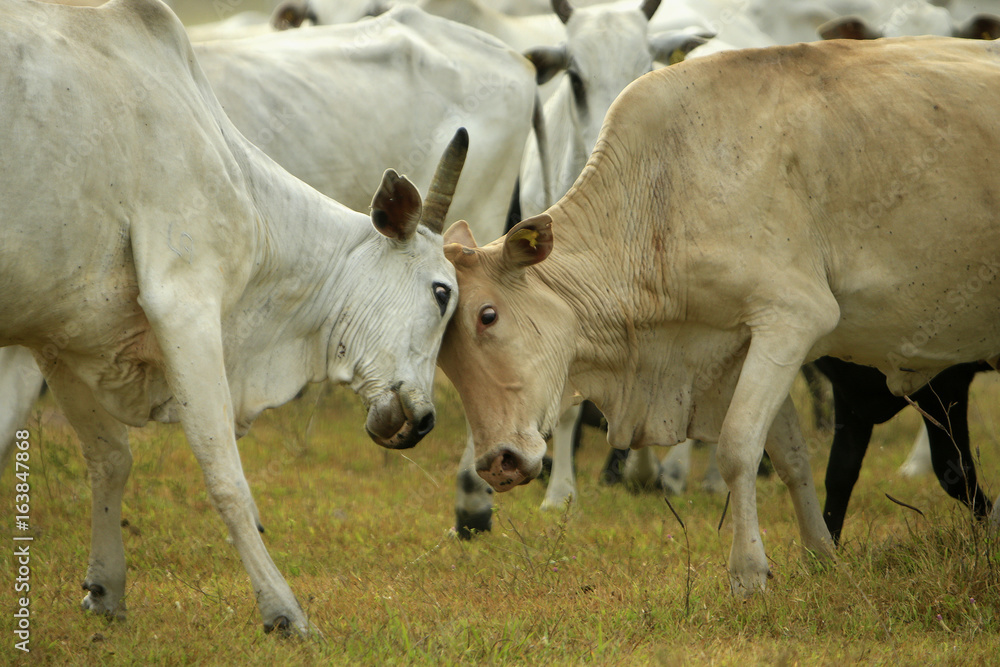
606 48
390 362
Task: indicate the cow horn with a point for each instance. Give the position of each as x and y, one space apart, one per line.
563 9
649 8
445 179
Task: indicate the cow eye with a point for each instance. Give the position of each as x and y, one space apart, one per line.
487 316
442 293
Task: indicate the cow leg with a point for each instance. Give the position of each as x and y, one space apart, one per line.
851 435
676 467
614 467
20 384
771 363
821 393
919 460
104 442
790 456
950 454
642 469
713 482
473 497
195 371
562 480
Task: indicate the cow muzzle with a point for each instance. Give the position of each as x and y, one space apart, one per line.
503 469
395 424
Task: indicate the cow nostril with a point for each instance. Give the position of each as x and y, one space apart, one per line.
426 424
510 462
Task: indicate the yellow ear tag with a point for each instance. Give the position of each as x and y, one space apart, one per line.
530 235
676 57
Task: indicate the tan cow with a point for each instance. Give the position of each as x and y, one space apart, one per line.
741 214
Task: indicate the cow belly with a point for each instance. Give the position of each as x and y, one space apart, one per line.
125 377
912 341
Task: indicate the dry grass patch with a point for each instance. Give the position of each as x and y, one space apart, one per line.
361 535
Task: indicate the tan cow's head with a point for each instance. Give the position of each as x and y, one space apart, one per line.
508 348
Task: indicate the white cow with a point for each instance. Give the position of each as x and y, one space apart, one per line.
964 9
728 20
335 104
520 32
913 18
740 215
165 269
791 21
340 130
306 99
607 47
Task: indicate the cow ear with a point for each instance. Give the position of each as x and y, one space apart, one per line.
980 26
548 61
528 242
460 233
459 244
848 27
671 47
396 207
292 14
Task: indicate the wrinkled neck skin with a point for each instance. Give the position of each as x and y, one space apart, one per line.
622 279
294 309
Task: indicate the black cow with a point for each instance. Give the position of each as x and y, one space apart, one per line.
861 400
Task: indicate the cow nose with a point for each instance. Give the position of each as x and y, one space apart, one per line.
505 471
426 424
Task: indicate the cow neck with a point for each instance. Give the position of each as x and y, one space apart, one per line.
304 242
616 272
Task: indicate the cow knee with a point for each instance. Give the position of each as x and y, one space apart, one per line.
111 468
735 462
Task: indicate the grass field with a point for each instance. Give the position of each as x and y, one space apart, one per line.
361 534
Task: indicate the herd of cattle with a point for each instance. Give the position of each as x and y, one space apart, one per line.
695 219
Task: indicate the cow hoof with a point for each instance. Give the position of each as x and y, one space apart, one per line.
96 590
281 624
673 486
97 602
549 504
468 524
287 628
747 587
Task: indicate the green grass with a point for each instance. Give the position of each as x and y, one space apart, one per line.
361 536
